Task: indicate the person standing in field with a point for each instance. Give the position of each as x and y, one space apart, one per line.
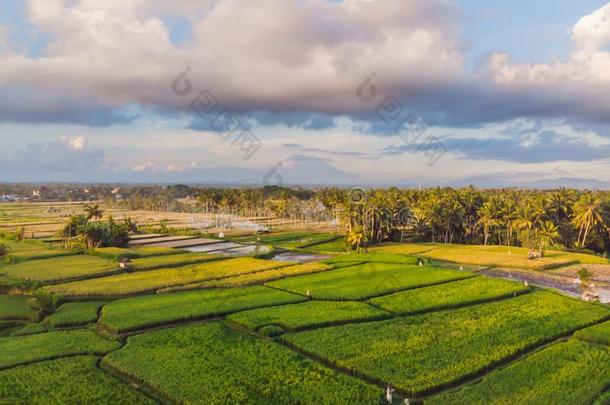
388 393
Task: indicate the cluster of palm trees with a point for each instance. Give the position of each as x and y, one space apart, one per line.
535 219
89 230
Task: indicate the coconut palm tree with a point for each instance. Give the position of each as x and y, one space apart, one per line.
130 224
528 218
587 216
560 202
93 212
547 236
356 237
508 215
487 220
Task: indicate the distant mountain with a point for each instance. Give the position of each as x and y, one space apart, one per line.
306 170
296 170
567 182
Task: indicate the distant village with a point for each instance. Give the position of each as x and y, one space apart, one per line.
22 193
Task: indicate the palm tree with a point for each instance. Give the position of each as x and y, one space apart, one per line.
93 212
548 234
130 224
471 201
528 218
509 213
356 237
487 220
587 216
528 221
560 202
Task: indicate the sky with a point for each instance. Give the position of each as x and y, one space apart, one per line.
391 92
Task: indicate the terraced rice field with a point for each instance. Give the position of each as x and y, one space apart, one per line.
61 268
146 281
335 246
387 258
212 364
245 331
307 315
569 372
257 278
423 353
75 380
150 311
17 307
29 250
492 256
175 260
292 240
367 280
114 253
30 329
598 334
51 345
455 294
74 314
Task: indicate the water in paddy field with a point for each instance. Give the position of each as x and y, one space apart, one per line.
248 250
604 296
213 247
230 249
299 257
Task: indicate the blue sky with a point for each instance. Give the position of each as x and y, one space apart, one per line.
518 91
528 30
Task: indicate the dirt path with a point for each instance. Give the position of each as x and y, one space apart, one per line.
565 283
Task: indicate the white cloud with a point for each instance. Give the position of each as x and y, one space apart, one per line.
588 64
79 143
592 32
274 54
61 155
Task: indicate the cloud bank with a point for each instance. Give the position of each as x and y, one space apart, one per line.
292 56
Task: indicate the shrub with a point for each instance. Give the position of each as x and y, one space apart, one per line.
20 234
45 302
584 275
74 224
104 234
98 233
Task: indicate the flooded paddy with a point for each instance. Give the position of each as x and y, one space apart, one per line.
299 257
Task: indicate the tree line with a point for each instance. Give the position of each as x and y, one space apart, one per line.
537 219
562 219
